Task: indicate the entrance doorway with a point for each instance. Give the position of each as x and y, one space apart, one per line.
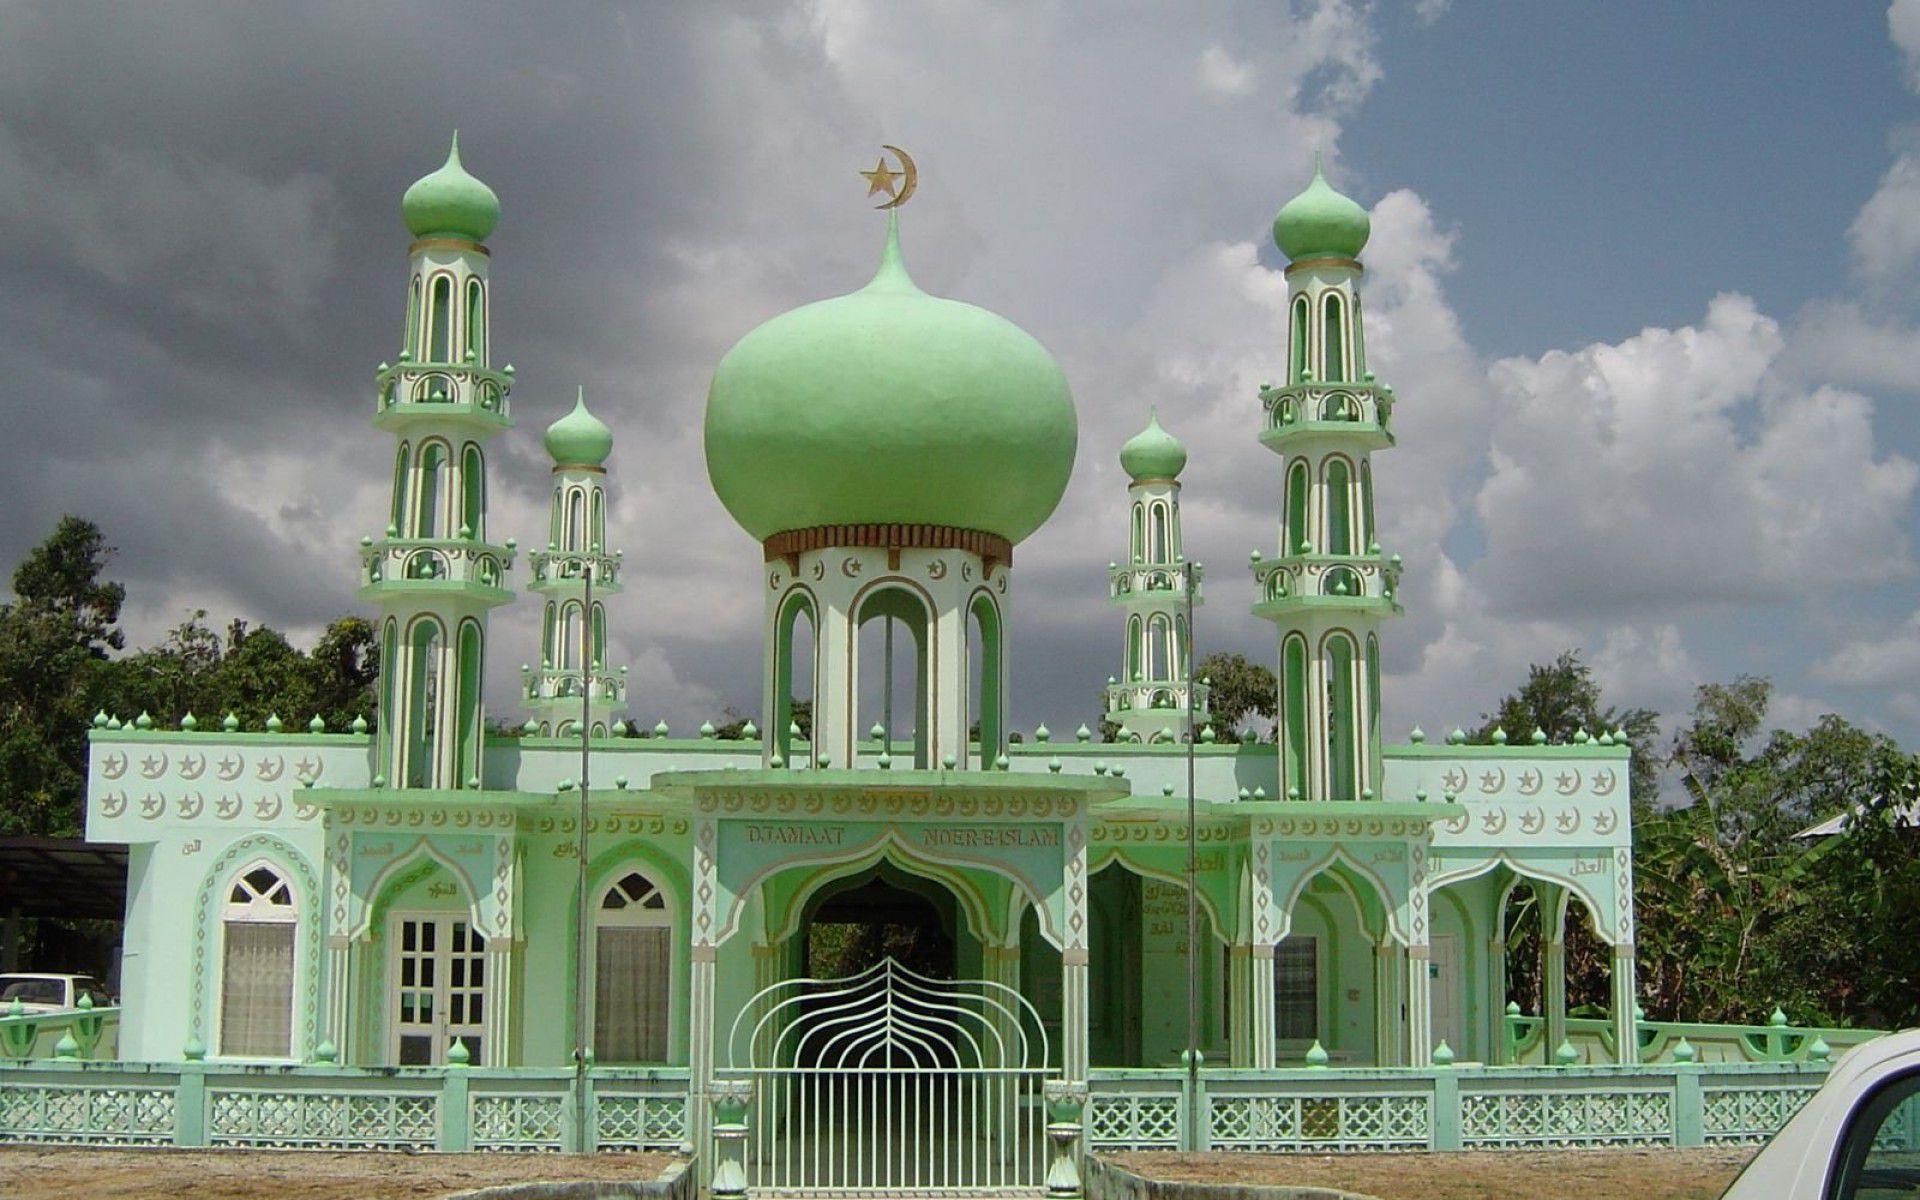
438 971
882 914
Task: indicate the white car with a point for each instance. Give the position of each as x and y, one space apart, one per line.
1857 1138
50 993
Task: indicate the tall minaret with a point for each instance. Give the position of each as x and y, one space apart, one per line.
1329 588
576 540
1149 700
435 576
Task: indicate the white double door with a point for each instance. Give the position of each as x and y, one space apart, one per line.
437 973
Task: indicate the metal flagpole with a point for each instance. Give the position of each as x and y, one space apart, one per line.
580 849
1193 892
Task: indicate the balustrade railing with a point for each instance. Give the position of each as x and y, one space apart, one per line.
451 561
1311 407
69 1101
1591 1040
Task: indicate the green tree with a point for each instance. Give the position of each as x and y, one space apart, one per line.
253 674
1561 698
1239 690
55 637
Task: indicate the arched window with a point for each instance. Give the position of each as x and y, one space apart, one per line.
426 647
1159 645
1342 717
569 656
430 494
1296 508
473 482
576 520
399 514
1368 537
1359 337
1370 734
467 719
794 677
597 527
633 972
546 636
412 340
599 633
1134 632
258 926
440 319
1139 547
1293 715
1177 648
1157 549
553 534
1334 353
984 690
476 320
1339 485
1298 344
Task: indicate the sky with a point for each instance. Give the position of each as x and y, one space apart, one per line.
1645 279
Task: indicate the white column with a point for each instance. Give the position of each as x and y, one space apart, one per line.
946 680
835 682
1625 1035
496 996
1419 1006
1553 966
1073 955
1264 1050
1388 984
1496 1006
333 1026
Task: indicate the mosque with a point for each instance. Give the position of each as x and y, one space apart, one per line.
839 875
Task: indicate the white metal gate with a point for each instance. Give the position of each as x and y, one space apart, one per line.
891 1081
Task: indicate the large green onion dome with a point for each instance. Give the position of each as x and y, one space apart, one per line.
450 203
1321 222
579 439
1153 453
886 406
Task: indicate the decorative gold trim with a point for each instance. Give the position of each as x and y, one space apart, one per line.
1326 260
1166 479
447 243
559 467
790 543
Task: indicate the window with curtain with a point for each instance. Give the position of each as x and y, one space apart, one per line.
258 928
633 979
1296 988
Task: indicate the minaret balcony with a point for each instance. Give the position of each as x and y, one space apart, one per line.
411 392
1353 413
539 685
1157 696
565 571
1354 582
1145 583
435 566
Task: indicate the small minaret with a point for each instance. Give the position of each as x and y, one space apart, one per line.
1329 588
434 575
576 540
1149 700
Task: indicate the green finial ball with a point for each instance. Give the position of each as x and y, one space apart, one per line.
1606 739
884 761
1118 770
325 1052
100 719
1054 765
531 728
1207 735
620 781
1420 794
707 730
878 733
143 721
1001 762
194 1051
1513 1008
1499 736
793 729
1083 734
1818 1050
457 1054
1366 793
317 725
1457 738
749 731
1099 768
1443 1054
776 762
1317 1054
1248 737
1244 794
1539 736
1418 735
821 762
273 723
1683 1051
189 723
379 781
1260 792
565 785
229 723
660 730
1778 1019
1166 789
1566 1055
1581 737
1041 733
948 761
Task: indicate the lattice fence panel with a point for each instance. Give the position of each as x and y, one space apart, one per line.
1566 1119
641 1122
1133 1121
322 1120
89 1116
1375 1122
527 1122
1748 1114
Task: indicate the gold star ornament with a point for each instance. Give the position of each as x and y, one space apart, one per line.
881 178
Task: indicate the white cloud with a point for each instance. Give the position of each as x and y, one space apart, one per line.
1885 235
1890 659
1903 22
1222 73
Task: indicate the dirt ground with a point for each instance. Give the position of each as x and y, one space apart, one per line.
34 1174
1483 1175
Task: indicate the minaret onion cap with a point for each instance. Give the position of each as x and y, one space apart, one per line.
1153 453
451 203
1321 221
579 439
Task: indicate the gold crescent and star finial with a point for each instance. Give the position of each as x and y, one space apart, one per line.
881 178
